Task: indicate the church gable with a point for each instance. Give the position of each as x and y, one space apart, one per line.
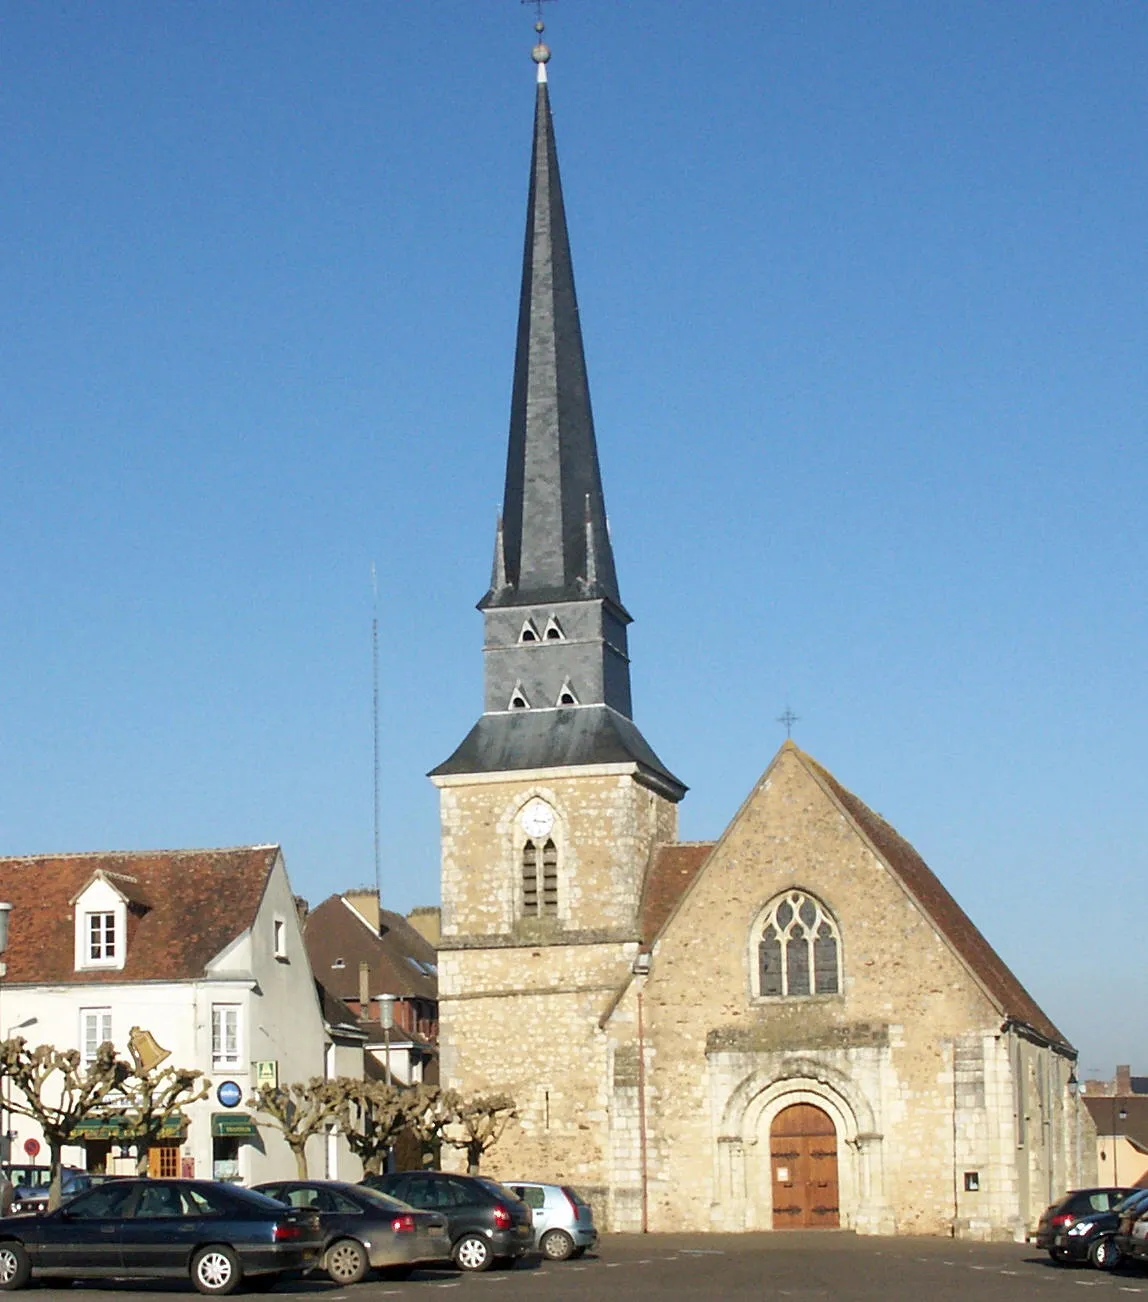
799 901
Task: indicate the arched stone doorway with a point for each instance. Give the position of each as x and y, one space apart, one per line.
803 1163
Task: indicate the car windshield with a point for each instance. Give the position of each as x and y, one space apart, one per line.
574 1196
381 1200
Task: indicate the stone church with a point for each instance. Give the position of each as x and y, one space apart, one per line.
793 1026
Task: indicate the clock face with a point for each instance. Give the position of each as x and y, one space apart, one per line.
537 818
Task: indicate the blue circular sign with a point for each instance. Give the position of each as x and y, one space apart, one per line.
229 1094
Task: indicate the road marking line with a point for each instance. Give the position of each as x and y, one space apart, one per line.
613 1265
1010 1272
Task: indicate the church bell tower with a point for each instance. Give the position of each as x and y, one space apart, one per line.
554 800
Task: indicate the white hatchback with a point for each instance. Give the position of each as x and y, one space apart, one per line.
563 1219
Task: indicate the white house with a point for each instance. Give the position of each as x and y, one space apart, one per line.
201 948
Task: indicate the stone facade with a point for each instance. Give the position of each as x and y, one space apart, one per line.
649 1070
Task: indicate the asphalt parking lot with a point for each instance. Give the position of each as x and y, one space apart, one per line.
714 1268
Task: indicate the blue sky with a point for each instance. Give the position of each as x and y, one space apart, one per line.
863 291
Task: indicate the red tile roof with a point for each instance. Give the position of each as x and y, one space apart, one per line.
401 960
184 907
672 869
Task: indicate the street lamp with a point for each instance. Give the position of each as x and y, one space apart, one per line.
387 1017
1123 1116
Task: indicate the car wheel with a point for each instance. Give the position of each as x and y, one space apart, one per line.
1104 1254
346 1261
14 1265
557 1245
215 1270
472 1252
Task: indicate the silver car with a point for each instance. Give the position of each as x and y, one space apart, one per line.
563 1219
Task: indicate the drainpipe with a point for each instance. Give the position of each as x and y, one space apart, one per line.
642 1118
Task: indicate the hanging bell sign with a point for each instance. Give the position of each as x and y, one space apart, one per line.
146 1053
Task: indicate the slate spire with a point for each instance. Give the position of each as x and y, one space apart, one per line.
557 666
553 508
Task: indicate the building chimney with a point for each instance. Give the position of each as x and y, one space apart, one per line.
427 921
365 901
1124 1080
365 991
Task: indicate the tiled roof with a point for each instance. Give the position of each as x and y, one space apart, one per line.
950 919
672 869
401 961
184 907
1105 1112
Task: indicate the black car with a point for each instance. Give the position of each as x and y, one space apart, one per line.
1092 1237
1059 1217
216 1235
34 1197
363 1228
486 1222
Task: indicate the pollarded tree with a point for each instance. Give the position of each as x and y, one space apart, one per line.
432 1111
53 1088
300 1111
477 1124
150 1099
372 1115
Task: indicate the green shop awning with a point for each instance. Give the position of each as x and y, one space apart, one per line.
233 1125
114 1127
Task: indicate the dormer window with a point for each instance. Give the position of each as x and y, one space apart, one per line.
518 699
101 922
529 632
101 937
566 696
554 631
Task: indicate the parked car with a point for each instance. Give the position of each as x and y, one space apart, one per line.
563 1219
1092 1237
215 1234
1131 1237
1061 1215
34 1197
485 1221
365 1229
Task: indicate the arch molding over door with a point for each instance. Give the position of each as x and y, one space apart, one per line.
803 1160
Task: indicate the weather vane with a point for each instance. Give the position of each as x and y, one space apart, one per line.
789 719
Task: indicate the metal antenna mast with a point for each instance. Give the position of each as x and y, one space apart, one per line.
375 720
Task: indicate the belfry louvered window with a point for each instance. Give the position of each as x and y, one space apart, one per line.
540 879
798 948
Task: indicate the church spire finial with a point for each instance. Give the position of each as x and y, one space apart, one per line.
541 52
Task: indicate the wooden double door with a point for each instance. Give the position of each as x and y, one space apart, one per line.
803 1160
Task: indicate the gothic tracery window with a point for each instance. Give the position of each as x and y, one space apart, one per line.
798 948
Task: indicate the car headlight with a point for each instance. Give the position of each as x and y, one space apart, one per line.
1081 1228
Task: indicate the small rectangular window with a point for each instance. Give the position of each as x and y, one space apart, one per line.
972 1181
95 1028
225 1035
280 938
101 937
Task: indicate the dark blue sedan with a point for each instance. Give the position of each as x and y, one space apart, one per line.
216 1235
